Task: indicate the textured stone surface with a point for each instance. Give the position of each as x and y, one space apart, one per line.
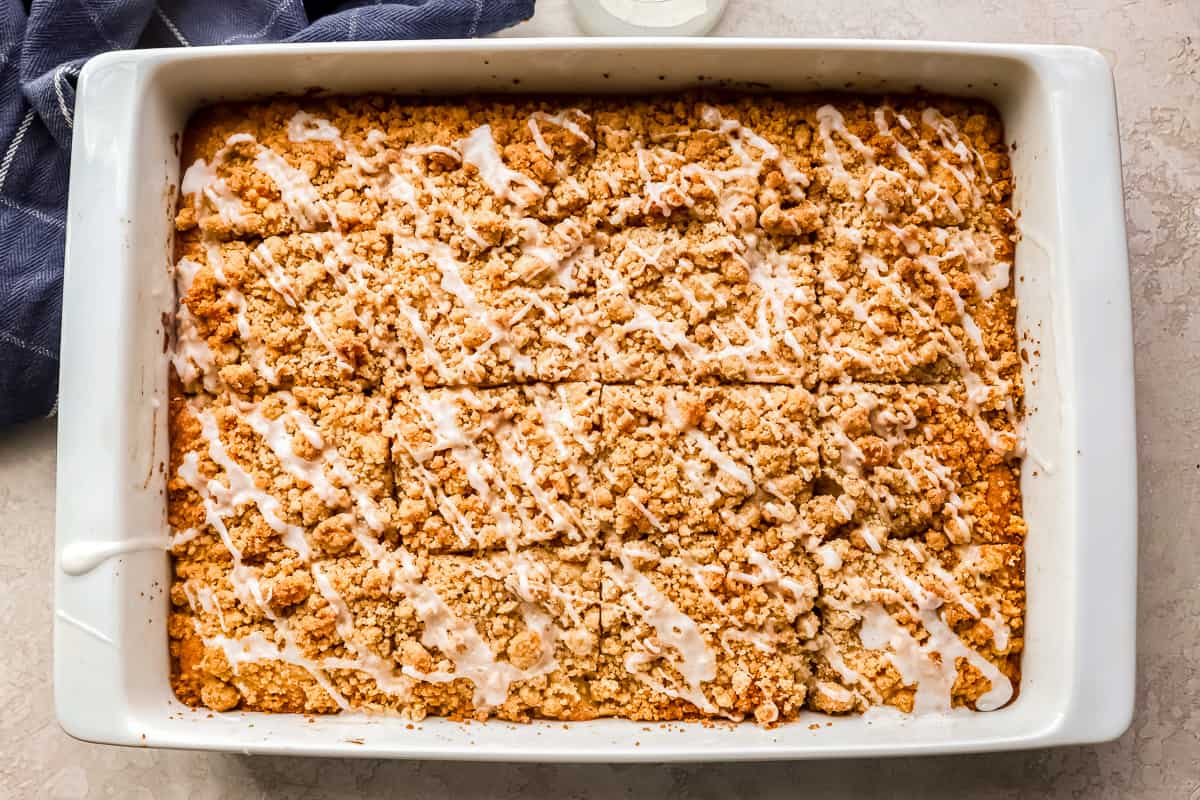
1154 46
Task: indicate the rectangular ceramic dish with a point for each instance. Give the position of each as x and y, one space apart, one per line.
110 644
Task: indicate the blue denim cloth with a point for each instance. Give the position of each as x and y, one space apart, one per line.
41 54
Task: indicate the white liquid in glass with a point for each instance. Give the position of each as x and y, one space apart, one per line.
647 17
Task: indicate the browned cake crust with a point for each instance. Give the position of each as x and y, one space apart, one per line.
660 408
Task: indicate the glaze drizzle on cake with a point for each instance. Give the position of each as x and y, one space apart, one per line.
658 408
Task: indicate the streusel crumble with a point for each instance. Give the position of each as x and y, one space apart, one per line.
660 408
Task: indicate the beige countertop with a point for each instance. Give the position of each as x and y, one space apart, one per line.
1154 46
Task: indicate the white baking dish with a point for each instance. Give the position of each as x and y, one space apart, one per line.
111 664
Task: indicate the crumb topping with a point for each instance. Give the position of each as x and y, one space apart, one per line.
660 408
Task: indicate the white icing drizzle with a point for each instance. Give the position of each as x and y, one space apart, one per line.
515 452
192 358
968 564
830 558
221 502
916 665
765 638
562 120
979 373
830 121
559 420
410 186
836 692
665 185
980 388
78 558
952 141
439 412
381 670
208 602
993 620
788 589
944 641
279 439
453 284
255 647
869 538
241 490
256 351
183 537
406 172
990 276
677 639
201 180
862 686
456 638
736 133
930 665
893 422
461 642
479 150
304 127
295 189
527 578
707 447
963 173
261 258
771 325
190 354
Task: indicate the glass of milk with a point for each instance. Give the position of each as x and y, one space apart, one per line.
647 17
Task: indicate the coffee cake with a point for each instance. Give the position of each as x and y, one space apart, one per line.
664 408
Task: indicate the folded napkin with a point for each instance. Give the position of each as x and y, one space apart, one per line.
41 53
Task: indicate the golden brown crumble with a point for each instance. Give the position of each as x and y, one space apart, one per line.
485 468
704 460
661 408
